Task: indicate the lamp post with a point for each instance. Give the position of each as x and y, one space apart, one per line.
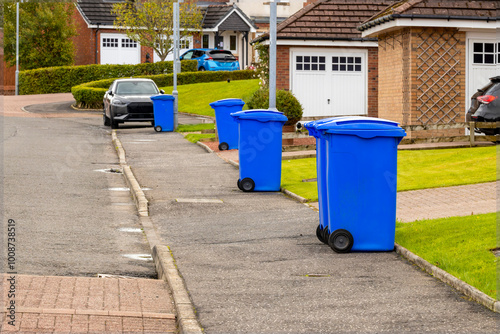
177 62
17 49
272 50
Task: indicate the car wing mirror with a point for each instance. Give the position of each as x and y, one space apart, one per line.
162 91
110 93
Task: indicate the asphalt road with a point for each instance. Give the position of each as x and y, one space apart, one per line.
252 262
72 217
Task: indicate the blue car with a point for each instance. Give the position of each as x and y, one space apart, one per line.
212 59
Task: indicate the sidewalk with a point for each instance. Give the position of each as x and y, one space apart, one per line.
251 261
48 304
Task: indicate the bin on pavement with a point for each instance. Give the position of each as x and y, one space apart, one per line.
313 128
227 128
163 109
361 175
260 146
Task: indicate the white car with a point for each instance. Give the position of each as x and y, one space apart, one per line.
128 100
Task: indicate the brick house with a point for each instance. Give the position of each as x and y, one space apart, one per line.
99 42
326 63
433 55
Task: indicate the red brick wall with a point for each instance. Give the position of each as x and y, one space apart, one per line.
84 42
283 67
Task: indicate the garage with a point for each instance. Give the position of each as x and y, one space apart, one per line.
329 82
119 49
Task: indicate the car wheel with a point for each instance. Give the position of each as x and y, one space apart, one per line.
105 119
201 68
114 124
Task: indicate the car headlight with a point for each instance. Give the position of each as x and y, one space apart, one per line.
118 103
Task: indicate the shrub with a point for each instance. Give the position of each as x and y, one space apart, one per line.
61 79
90 95
286 102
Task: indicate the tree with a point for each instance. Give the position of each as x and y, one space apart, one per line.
45 32
151 22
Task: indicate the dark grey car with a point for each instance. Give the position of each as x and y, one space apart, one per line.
128 100
485 106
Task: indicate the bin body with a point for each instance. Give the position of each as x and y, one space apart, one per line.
163 109
227 128
362 180
260 147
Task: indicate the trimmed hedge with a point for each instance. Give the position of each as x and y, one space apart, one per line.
62 78
91 94
286 102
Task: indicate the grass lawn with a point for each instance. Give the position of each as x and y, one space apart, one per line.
195 98
195 127
416 170
459 245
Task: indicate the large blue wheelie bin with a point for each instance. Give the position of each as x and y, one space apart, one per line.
163 109
260 147
227 128
361 176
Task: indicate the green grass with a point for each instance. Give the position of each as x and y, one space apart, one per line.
459 245
416 170
195 137
195 127
195 98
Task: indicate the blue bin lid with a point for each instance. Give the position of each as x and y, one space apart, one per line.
162 97
314 126
260 115
363 127
227 103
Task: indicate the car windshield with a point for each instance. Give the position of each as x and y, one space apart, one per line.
136 88
222 55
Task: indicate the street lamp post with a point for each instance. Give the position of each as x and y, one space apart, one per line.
177 62
17 49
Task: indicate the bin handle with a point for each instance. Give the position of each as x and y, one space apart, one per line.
368 134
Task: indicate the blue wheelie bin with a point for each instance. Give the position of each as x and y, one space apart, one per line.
313 128
163 109
260 147
361 176
227 128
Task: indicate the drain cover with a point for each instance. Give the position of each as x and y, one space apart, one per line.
110 170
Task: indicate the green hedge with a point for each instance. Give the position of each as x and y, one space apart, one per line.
62 78
90 95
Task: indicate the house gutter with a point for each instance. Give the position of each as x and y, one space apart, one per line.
298 38
391 17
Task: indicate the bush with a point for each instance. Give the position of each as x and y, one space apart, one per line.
61 79
90 95
285 102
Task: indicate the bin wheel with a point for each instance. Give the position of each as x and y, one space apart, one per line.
247 184
341 241
319 234
223 147
158 128
239 184
326 234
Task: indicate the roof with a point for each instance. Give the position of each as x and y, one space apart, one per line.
435 9
99 12
230 17
329 19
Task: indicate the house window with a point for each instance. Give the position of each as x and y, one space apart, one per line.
205 42
484 53
310 63
184 44
232 42
128 43
110 42
346 64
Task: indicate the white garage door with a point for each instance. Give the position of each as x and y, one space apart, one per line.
119 49
330 82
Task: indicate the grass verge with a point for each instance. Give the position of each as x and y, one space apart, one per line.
420 169
195 98
195 127
459 245
195 137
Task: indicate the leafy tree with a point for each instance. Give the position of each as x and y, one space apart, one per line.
151 22
45 31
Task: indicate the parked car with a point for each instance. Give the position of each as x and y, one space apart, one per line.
212 59
128 100
485 106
